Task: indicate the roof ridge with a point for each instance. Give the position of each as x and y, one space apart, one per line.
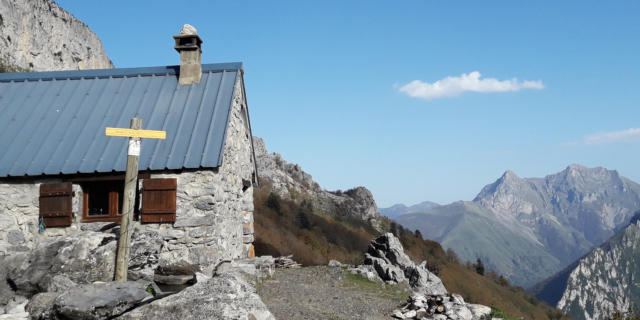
116 72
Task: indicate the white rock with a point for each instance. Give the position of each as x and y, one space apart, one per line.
188 29
479 310
410 314
398 314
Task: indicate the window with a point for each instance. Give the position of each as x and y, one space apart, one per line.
102 200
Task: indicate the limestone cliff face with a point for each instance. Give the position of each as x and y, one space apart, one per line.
606 279
290 181
38 35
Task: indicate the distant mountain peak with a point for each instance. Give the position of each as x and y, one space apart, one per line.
509 176
576 166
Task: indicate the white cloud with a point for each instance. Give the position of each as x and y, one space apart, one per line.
454 86
632 134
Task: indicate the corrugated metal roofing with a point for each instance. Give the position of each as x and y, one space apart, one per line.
54 122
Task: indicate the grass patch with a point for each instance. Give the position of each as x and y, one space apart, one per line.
397 292
497 313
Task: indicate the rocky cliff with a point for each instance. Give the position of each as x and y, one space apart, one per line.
606 279
290 181
38 35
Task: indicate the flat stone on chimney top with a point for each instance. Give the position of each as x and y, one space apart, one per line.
188 29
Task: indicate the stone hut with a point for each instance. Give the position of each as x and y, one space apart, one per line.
60 175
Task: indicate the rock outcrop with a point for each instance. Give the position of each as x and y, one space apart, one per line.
386 261
391 264
290 181
38 35
225 296
86 258
605 280
99 301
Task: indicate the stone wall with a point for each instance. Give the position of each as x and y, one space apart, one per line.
214 218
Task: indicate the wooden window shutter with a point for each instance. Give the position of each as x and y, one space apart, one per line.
159 200
55 204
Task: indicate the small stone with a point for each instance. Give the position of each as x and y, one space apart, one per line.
457 299
334 263
172 234
42 304
479 310
16 305
15 237
206 203
60 283
173 279
193 222
398 314
463 313
410 314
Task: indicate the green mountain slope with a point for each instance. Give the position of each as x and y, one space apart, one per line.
474 232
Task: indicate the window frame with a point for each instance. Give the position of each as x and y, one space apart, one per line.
113 215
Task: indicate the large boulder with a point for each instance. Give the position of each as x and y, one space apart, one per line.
6 292
226 296
387 257
85 258
40 306
100 301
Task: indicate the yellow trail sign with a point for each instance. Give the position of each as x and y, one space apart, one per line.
135 133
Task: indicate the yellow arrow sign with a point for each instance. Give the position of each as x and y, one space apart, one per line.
122 132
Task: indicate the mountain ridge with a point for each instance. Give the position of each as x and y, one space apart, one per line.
400 208
564 214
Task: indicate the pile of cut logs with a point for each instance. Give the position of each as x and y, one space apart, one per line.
286 262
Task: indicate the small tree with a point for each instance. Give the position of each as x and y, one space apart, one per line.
303 220
479 267
418 234
273 203
393 228
452 256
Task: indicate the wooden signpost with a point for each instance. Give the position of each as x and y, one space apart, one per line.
130 186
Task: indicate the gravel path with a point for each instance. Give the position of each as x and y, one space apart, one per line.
328 293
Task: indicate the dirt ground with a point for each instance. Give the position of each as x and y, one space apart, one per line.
324 292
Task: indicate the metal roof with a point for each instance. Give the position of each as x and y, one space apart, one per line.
54 122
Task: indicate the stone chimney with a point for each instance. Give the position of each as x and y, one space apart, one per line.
188 44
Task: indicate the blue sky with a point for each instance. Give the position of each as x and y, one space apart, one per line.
327 84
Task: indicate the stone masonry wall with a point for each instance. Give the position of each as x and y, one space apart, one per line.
214 221
214 218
